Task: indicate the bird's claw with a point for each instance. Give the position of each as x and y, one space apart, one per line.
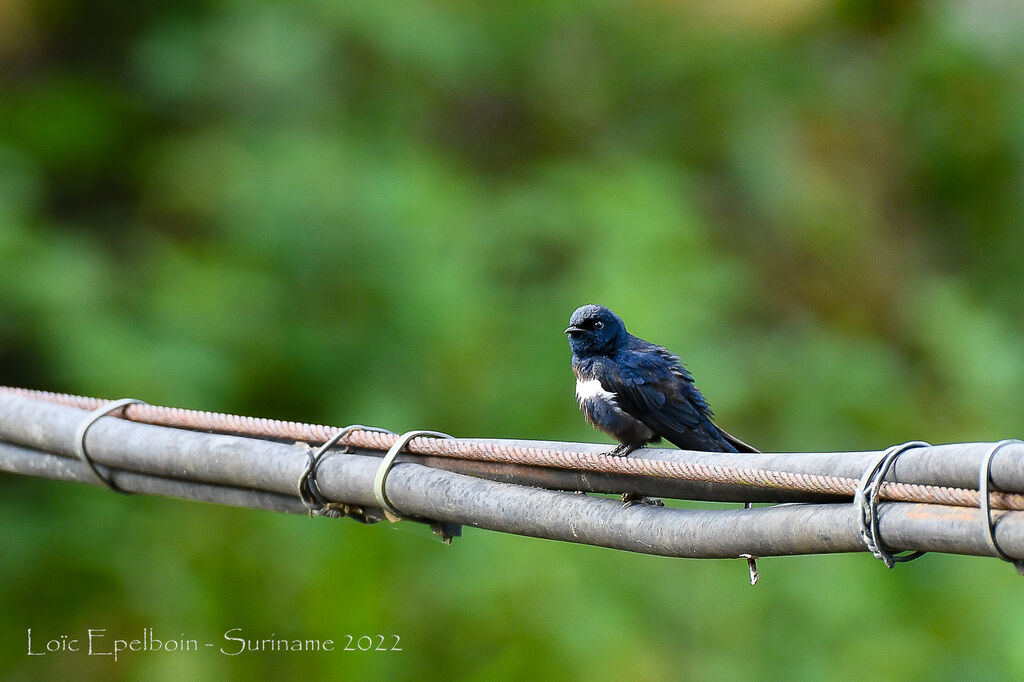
622 450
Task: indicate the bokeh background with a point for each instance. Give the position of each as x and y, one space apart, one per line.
384 213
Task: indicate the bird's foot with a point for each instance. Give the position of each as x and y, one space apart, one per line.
622 450
629 499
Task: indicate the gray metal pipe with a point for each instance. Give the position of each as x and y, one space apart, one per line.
260 473
30 462
953 465
793 529
49 426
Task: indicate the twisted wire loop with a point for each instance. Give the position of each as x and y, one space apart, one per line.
315 501
865 501
985 506
445 530
83 429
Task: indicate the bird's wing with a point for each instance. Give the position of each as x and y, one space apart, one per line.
655 388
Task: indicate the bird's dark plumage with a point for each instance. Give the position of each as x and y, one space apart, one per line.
636 391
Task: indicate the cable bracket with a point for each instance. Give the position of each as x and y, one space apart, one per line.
985 502
865 501
445 530
83 429
315 501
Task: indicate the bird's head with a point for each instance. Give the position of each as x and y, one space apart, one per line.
595 330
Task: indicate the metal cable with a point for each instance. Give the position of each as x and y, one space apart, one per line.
518 454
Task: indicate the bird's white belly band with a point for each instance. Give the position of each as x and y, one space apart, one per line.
592 388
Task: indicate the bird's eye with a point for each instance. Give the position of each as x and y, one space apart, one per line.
598 324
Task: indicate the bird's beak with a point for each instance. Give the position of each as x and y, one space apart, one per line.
572 330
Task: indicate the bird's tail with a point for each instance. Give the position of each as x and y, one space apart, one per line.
736 442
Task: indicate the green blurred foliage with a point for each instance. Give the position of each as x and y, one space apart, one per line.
385 212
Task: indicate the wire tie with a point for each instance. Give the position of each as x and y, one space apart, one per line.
865 501
83 429
985 504
309 489
389 461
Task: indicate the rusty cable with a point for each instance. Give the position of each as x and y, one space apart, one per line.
198 420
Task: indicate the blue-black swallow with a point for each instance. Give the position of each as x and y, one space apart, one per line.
636 391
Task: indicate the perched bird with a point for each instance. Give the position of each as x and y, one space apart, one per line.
636 391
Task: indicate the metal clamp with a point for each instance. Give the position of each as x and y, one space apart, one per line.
83 429
309 489
389 460
985 503
865 501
